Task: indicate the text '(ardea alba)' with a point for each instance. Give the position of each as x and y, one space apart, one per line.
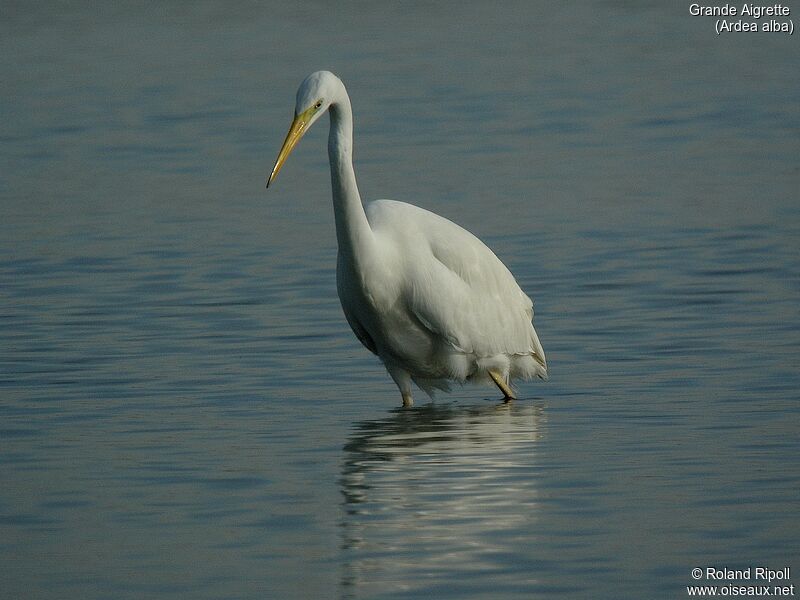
428 297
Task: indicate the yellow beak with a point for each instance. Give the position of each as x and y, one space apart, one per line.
296 131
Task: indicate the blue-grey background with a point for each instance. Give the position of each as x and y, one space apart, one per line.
184 412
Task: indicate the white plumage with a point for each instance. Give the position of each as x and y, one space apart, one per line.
425 295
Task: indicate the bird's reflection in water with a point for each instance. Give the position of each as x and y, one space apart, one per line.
439 498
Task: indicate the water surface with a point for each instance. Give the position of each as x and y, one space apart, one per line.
183 409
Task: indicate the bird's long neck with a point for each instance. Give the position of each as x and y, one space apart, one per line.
353 232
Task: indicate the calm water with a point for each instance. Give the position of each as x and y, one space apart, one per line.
184 412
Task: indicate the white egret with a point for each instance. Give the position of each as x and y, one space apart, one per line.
428 297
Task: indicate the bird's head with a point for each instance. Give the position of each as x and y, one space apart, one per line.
314 96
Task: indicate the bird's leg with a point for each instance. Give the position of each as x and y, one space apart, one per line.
403 381
500 381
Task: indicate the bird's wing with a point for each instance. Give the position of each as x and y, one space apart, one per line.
458 289
468 296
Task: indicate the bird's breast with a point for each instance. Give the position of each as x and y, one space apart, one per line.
374 306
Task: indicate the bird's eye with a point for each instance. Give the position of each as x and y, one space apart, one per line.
318 104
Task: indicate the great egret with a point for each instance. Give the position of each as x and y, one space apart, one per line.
428 297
